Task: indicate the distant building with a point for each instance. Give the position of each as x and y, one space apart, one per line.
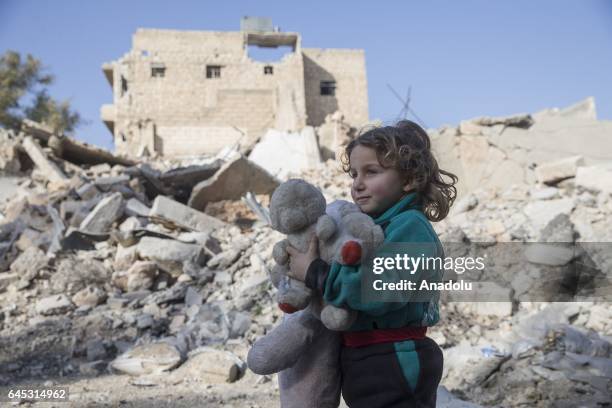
193 92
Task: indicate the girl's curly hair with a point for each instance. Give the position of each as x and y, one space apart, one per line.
406 147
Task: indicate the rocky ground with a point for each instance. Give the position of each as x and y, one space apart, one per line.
121 283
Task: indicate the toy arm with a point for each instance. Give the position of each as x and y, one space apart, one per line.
279 252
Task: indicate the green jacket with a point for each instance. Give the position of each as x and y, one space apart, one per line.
402 223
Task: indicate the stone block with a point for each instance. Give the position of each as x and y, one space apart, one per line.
558 170
183 216
55 304
106 212
595 178
231 182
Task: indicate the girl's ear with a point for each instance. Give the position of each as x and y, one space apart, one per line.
408 185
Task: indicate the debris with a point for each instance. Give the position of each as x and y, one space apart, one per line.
100 220
211 366
170 254
231 182
47 167
558 170
71 149
55 304
140 276
90 296
300 151
549 254
595 178
147 359
169 210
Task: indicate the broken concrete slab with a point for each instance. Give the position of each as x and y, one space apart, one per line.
71 149
135 207
521 120
170 254
55 304
468 127
100 220
582 110
7 279
152 358
333 135
89 296
106 183
558 170
212 366
183 216
595 178
47 167
541 213
544 193
283 154
30 262
231 182
9 187
182 179
87 191
466 365
548 254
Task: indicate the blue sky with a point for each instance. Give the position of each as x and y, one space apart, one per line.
462 58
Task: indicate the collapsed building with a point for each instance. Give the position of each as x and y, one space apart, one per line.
178 93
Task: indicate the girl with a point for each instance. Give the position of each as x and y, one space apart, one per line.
386 360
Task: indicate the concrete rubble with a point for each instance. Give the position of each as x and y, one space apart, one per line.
159 271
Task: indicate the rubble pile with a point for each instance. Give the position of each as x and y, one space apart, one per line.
104 263
159 270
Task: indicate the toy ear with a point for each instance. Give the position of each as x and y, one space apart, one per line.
351 253
279 252
347 208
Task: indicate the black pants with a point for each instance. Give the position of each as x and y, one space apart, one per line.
389 375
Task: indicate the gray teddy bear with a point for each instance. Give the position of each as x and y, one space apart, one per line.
305 347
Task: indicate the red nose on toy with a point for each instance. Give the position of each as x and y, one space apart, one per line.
351 253
287 308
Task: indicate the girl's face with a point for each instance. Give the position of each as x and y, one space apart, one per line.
375 188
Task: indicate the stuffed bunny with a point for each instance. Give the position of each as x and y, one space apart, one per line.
305 348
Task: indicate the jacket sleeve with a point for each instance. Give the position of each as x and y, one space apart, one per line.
343 284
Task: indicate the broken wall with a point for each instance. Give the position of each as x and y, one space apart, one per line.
347 69
498 152
241 101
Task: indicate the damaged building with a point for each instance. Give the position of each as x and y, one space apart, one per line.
178 93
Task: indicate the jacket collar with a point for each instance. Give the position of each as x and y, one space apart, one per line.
409 202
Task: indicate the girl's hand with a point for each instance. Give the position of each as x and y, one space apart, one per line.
299 262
